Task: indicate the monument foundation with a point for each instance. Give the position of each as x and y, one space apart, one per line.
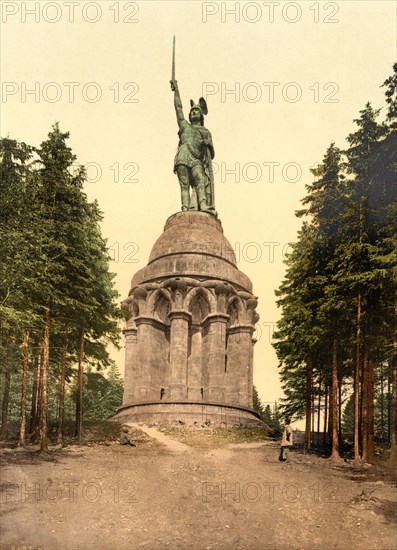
189 339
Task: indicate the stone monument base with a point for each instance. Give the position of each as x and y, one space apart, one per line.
188 413
189 336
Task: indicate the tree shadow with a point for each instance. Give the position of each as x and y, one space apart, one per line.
387 509
32 456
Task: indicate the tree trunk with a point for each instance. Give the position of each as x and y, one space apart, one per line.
6 398
313 410
364 415
361 412
35 393
319 409
393 431
357 383
368 410
34 435
62 388
330 413
22 428
325 415
79 397
371 456
382 405
340 412
335 440
393 408
43 429
389 399
309 378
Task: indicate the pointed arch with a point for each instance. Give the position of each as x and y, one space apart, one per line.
235 310
159 305
202 298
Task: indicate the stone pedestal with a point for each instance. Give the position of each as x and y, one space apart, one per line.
189 346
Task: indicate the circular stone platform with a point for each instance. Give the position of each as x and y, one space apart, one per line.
189 414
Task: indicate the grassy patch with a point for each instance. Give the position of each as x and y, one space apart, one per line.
102 432
215 437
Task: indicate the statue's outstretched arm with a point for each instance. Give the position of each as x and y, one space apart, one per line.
177 102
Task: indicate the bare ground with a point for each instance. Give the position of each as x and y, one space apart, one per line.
201 492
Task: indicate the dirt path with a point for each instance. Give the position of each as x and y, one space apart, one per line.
162 495
171 444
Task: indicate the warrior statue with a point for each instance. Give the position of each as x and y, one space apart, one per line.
195 151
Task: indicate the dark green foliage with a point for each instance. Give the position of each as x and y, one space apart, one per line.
102 394
257 402
346 251
348 417
54 268
270 417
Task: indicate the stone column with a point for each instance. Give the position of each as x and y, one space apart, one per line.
215 355
251 374
194 374
130 370
143 391
152 361
179 341
239 380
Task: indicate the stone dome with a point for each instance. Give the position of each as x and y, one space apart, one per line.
192 245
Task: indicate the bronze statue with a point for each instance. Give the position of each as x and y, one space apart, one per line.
192 162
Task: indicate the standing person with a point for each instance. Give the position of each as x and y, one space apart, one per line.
286 441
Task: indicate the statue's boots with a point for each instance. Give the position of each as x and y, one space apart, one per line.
210 206
185 195
201 197
193 199
204 204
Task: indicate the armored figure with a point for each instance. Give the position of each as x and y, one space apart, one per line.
193 159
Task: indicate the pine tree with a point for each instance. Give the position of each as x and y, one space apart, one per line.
18 267
83 293
55 275
257 403
339 288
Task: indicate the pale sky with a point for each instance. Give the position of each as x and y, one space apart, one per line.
282 81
